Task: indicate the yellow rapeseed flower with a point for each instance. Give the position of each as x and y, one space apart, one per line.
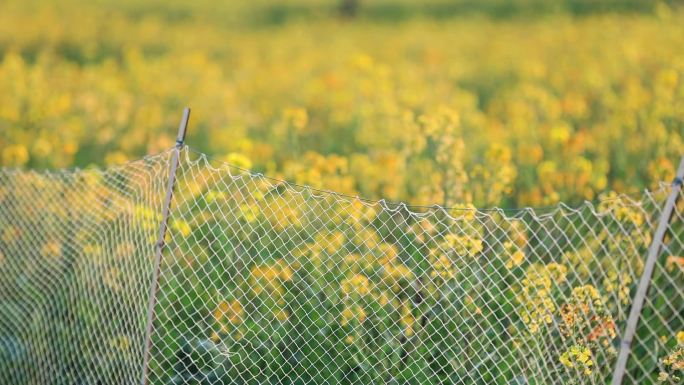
352 313
51 249
282 315
442 267
578 357
181 227
463 244
15 155
297 117
516 259
230 311
356 285
239 160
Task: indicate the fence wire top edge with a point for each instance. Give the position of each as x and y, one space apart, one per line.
87 169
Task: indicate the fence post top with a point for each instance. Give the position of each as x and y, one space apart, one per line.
182 128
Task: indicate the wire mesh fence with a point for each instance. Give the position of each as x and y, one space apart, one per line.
265 282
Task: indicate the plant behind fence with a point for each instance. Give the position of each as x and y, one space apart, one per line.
265 282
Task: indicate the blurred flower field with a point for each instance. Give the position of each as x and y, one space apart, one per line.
488 108
521 110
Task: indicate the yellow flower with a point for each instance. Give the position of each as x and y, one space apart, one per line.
15 155
146 217
396 274
663 376
557 272
285 271
269 278
560 134
212 196
239 160
467 212
41 148
115 158
354 312
358 284
51 249
674 361
182 227
516 259
282 315
443 268
249 212
333 242
229 310
463 244
578 357
588 298
537 307
70 148
10 234
621 208
92 250
618 284
297 117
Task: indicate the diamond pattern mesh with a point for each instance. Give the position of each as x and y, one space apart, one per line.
265 282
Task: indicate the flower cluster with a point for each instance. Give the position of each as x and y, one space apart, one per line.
268 278
617 285
585 318
357 285
579 358
230 312
673 363
353 313
537 305
443 268
432 132
619 206
463 245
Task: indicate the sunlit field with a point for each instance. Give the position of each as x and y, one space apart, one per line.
460 104
523 109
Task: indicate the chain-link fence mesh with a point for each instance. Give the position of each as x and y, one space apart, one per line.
76 252
266 282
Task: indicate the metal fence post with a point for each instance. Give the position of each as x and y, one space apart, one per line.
159 246
645 280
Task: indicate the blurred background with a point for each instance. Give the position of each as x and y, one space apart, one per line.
489 102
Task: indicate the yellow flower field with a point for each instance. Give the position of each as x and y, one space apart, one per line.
459 104
509 111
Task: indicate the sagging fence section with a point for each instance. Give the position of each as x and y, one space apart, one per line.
264 282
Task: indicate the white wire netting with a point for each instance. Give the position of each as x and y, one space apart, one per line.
266 282
76 254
